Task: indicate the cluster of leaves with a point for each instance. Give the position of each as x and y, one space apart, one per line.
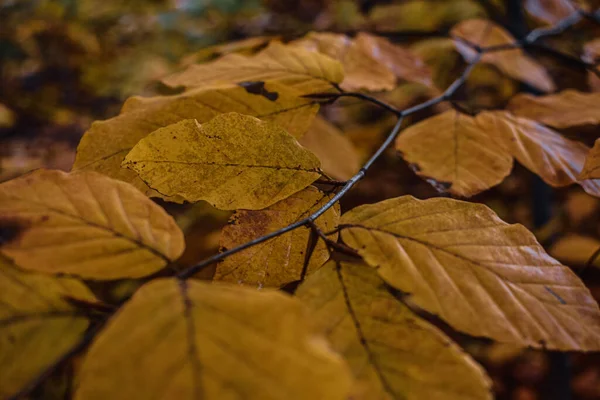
244 136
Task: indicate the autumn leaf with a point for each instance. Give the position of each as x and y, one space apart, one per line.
85 224
484 277
192 340
339 158
591 168
562 110
556 159
104 147
465 155
280 260
307 72
362 71
453 153
513 62
575 249
38 324
393 353
233 161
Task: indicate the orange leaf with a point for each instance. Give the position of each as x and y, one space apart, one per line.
513 62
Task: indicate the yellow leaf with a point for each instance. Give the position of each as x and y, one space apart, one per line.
244 46
561 110
392 352
280 260
484 277
233 161
85 224
513 62
105 145
307 72
193 340
455 154
37 323
339 158
7 117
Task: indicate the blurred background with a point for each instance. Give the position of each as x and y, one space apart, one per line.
66 63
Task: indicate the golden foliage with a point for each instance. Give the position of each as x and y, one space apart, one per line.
38 324
484 277
213 342
392 352
233 161
307 72
282 259
85 224
104 147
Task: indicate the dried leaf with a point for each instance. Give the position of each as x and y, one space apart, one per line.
401 61
556 159
193 340
562 110
85 224
105 145
591 168
361 69
513 62
455 154
307 72
281 260
550 11
233 161
484 277
339 158
393 353
37 323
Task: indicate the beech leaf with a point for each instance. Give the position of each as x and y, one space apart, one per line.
392 353
105 145
85 224
591 168
194 340
550 11
37 323
562 110
484 277
455 154
513 62
307 72
233 161
281 260
339 158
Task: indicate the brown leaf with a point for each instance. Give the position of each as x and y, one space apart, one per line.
194 340
513 62
455 154
591 168
575 249
392 352
458 260
562 110
85 224
339 158
591 54
280 260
